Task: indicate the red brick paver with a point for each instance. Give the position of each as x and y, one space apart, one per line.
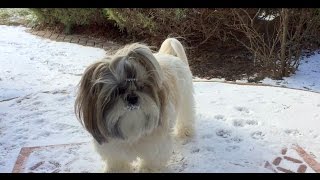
292 159
277 161
67 38
41 33
25 152
307 159
90 43
77 39
47 35
302 165
284 170
82 42
54 36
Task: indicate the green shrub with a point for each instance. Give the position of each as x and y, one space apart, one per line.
225 32
132 20
151 22
198 26
69 17
17 16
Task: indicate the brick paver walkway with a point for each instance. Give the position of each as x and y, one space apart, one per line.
290 160
302 163
77 39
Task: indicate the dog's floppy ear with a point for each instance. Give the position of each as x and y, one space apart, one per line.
144 56
88 93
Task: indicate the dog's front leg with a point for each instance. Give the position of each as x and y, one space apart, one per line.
155 154
115 166
115 157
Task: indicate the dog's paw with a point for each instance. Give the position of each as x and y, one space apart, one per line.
117 171
184 132
126 169
151 167
150 170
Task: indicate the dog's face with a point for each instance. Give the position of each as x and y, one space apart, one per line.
122 98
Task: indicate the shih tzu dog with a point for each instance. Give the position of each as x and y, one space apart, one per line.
134 102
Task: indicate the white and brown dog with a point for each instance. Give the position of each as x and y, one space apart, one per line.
131 101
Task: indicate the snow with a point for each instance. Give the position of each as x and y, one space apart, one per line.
41 75
307 77
238 127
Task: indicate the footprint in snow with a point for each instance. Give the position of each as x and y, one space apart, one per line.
20 130
207 136
242 122
223 133
242 109
251 122
236 139
238 122
219 117
39 121
209 148
232 148
293 132
37 103
257 135
195 150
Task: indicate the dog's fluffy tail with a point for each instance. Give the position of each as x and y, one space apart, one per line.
173 47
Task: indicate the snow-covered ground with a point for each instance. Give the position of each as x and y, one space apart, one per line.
238 128
307 77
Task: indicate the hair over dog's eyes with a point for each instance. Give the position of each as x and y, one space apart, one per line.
140 87
121 90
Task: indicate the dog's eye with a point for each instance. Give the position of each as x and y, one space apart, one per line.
140 87
121 90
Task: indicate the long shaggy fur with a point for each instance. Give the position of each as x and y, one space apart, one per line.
130 102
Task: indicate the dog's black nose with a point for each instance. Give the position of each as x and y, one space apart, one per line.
132 99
